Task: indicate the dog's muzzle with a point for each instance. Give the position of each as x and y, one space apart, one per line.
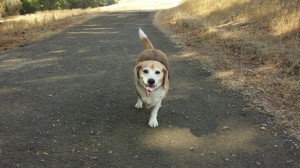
150 87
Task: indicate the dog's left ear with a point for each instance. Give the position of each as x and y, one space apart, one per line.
166 80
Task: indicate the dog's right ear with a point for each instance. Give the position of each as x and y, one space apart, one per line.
137 70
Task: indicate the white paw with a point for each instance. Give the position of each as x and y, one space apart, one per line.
138 105
153 122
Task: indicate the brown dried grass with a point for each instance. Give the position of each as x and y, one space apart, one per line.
250 45
38 19
21 29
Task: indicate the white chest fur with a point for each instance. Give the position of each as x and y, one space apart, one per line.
153 97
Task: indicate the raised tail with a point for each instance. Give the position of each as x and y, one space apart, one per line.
144 39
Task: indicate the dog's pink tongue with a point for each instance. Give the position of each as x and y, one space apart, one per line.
148 90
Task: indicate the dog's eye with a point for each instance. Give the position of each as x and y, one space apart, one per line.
157 72
145 71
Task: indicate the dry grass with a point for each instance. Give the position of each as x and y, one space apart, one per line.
19 30
25 28
250 45
38 19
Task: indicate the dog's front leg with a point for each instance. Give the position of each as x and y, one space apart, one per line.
139 103
153 118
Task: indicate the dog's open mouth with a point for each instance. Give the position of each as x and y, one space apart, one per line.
149 89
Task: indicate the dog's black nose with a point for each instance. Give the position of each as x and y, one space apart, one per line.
151 81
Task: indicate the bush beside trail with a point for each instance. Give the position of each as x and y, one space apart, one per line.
16 7
10 7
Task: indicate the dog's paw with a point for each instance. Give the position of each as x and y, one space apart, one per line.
153 123
138 105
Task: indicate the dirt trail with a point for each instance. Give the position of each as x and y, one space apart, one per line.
68 101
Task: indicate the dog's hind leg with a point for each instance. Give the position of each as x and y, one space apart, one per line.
153 118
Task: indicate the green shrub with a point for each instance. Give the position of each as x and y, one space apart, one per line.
14 7
1 9
10 7
30 6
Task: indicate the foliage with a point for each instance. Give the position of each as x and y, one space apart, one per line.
9 7
30 6
90 3
1 9
15 7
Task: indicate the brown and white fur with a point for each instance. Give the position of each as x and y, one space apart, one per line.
151 78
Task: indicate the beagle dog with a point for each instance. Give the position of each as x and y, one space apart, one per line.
151 78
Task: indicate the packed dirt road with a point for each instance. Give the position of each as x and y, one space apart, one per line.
68 101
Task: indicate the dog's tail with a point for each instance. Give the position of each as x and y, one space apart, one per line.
144 39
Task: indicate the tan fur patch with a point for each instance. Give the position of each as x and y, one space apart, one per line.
152 66
146 43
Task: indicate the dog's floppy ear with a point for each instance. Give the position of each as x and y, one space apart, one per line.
137 69
166 81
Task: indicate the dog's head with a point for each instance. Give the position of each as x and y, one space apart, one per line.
151 75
